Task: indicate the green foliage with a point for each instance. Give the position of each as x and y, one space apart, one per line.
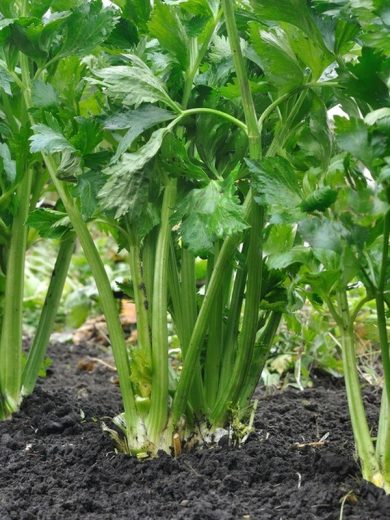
209 214
133 85
46 139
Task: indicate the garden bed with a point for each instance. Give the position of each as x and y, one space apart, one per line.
56 463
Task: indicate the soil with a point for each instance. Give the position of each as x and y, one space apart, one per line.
56 463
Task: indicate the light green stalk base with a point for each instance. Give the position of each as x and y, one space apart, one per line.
361 431
11 333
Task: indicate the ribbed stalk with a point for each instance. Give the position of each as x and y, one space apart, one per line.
200 328
248 332
232 327
261 352
11 333
383 440
361 431
102 282
148 261
158 414
107 300
189 307
188 293
215 345
140 296
39 345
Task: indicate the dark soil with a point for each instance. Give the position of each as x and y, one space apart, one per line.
56 463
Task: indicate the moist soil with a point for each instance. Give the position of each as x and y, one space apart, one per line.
56 463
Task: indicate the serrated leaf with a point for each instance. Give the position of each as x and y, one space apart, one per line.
295 12
126 188
49 223
353 136
45 139
136 121
277 58
166 26
133 85
88 136
367 78
280 239
209 214
88 26
43 94
88 186
137 11
5 80
297 255
9 165
275 183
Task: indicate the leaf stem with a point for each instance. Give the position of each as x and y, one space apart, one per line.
140 295
158 415
363 441
38 348
11 332
218 113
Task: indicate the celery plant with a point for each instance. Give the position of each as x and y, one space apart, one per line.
210 140
341 206
22 185
182 124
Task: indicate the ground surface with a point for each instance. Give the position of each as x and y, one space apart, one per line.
55 465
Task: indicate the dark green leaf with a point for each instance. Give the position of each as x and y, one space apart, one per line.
209 214
277 58
136 121
87 27
320 200
88 186
127 186
367 80
275 183
49 223
165 25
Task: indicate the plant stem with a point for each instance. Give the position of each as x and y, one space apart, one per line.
38 348
228 248
140 295
107 300
188 292
215 345
247 335
148 261
158 414
218 113
11 333
261 353
197 59
199 331
363 441
383 440
232 327
98 271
